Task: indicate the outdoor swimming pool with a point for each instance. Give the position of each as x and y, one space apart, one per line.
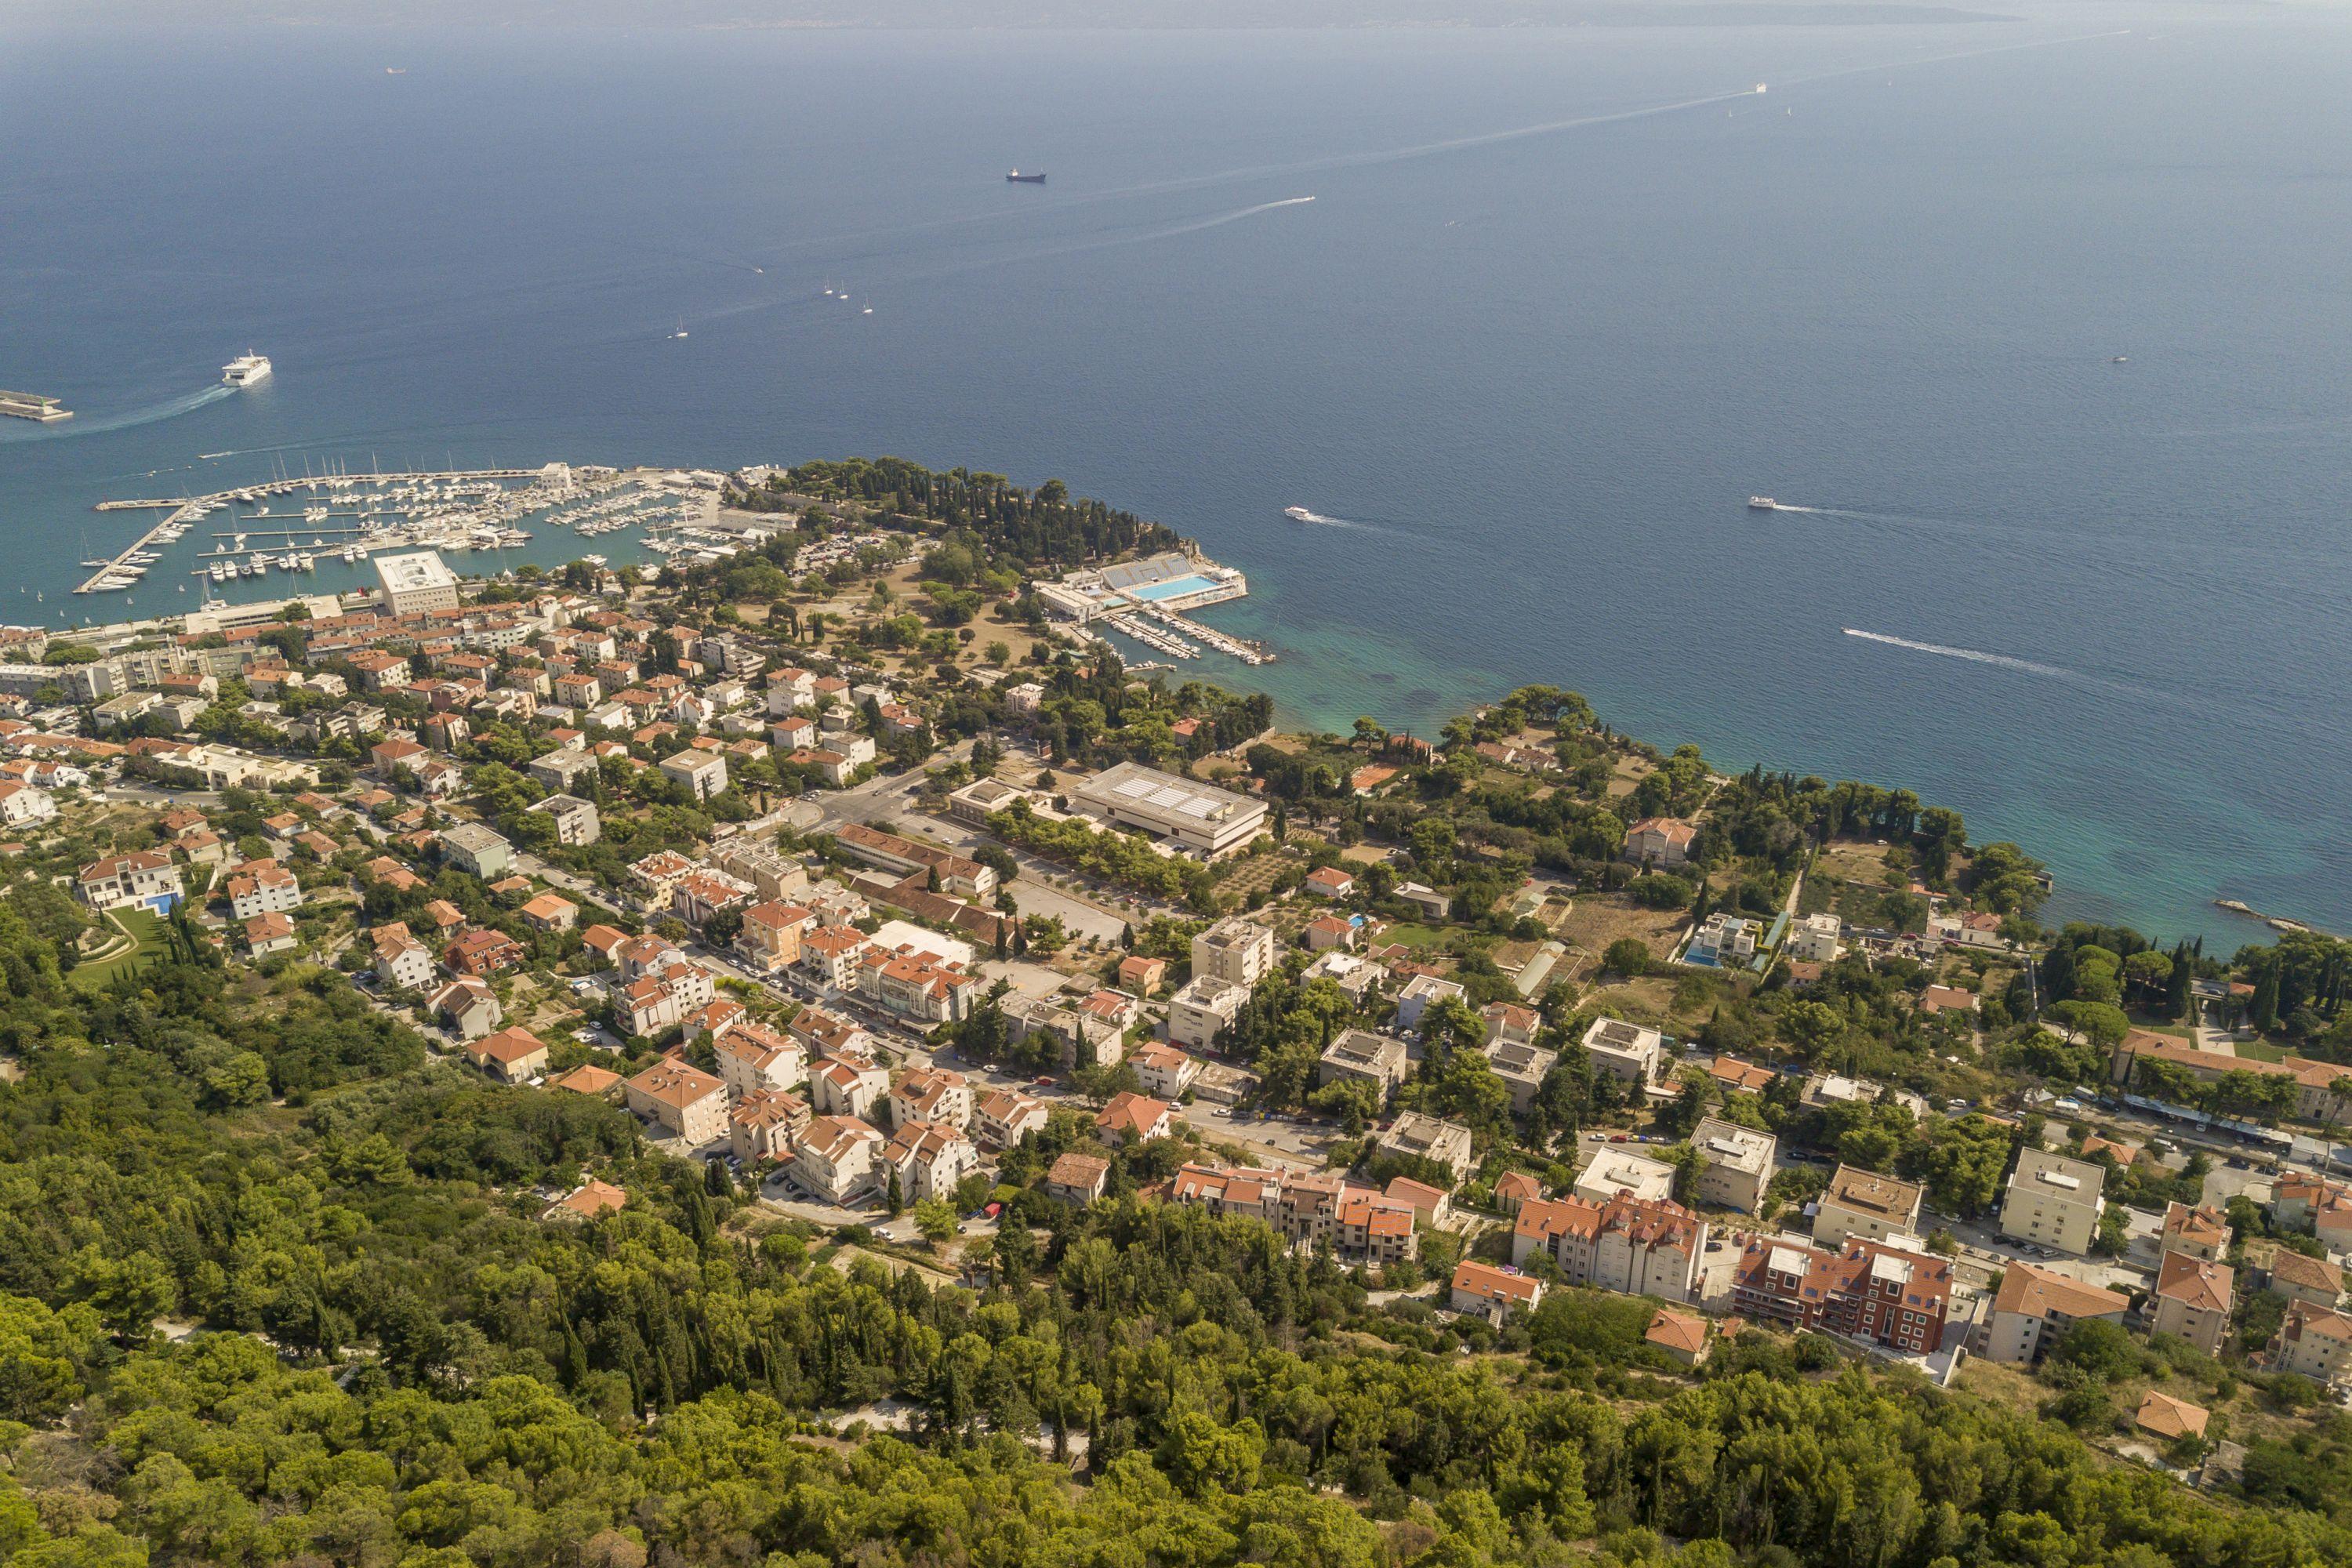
1173 588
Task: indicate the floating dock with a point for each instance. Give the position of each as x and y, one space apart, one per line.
33 406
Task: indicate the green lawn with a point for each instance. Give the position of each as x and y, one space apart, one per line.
1412 935
148 928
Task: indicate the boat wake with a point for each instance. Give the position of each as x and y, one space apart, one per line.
170 408
2004 661
1301 514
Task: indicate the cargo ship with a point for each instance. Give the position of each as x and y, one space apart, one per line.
1017 178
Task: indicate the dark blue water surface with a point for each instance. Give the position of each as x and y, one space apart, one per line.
1558 306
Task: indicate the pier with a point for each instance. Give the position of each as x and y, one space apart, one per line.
107 579
123 571
1233 647
33 407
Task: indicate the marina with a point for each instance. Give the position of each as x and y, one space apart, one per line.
347 517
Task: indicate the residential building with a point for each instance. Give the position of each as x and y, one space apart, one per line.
1362 1056
2168 1419
1440 1142
2193 1299
1142 977
1627 1052
576 822
1686 1338
1432 1206
1371 1229
1202 1010
1522 1067
2313 1342
831 954
401 960
839 1158
1136 1118
703 773
1814 939
416 583
1077 1178
1889 1296
2034 1308
588 1079
684 1101
1636 1246
1237 951
1486 1291
1329 882
268 933
766 1125
1613 1170
1203 820
919 986
2314 1281
1514 1189
770 937
474 847
482 953
21 805
1003 1116
2200 1232
592 1201
549 913
931 1094
1163 1070
510 1056
847 1086
468 1005
271 889
1507 1023
1734 1163
1662 841
145 878
753 1057
2053 1201
930 1158
1421 993
1867 1204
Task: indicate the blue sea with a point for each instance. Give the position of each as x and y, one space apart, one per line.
2044 321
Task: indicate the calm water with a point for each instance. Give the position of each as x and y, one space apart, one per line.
1539 365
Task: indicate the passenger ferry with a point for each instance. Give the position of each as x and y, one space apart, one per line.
245 370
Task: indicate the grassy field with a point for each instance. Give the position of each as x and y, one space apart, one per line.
143 925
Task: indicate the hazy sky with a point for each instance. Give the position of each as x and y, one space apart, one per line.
1010 12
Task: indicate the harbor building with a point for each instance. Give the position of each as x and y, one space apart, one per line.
418 583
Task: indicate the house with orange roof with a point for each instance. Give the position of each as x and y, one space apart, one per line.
588 1079
2313 1342
839 1158
2193 1299
548 912
1136 1118
684 1101
468 1005
766 1124
2163 1417
1684 1336
1492 1293
2034 1308
510 1056
591 1201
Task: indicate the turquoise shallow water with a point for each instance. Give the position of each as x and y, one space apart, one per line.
1560 304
